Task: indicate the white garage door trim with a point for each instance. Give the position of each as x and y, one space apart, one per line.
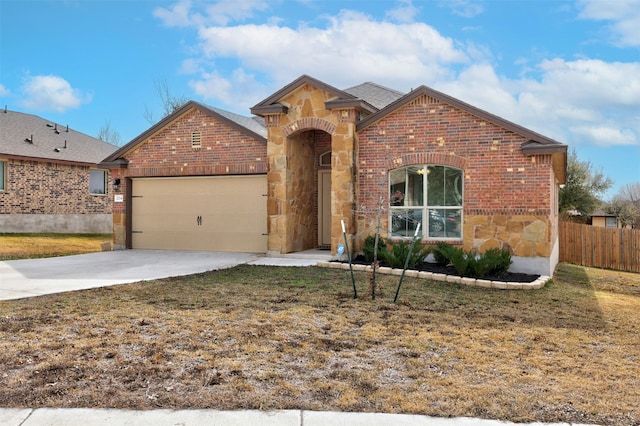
213 213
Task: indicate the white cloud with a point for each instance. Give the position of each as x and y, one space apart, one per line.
464 8
4 91
605 135
592 81
624 16
480 86
583 101
237 91
579 102
51 93
221 12
176 16
224 11
414 52
406 12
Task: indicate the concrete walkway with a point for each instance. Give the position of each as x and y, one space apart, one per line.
36 277
89 417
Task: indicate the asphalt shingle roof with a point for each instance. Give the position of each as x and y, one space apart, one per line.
255 124
48 140
375 94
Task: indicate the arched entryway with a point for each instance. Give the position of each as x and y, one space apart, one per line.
309 190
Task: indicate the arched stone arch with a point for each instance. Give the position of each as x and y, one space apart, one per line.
438 158
308 123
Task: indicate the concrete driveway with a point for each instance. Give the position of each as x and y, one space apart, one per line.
35 277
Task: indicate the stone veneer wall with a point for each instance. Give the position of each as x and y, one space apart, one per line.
306 112
42 196
224 150
508 197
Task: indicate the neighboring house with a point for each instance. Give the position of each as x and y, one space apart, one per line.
317 157
49 178
605 220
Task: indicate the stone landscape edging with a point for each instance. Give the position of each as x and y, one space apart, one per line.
476 282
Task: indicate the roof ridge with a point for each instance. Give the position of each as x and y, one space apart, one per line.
377 85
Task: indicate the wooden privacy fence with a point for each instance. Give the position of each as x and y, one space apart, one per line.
610 248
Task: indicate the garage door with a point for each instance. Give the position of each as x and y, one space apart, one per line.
209 213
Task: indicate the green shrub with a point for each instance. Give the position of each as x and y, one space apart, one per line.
369 245
499 260
493 262
396 252
460 260
441 253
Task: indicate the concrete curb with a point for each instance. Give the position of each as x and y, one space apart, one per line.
502 285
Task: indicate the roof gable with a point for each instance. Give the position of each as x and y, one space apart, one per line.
29 136
251 126
271 105
487 116
536 143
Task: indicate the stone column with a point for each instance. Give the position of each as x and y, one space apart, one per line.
277 180
342 184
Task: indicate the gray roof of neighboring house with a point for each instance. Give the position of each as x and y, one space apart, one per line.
375 94
30 136
602 213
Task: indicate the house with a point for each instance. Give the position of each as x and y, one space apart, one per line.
49 178
315 157
605 220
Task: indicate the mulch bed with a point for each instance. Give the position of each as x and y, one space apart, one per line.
514 277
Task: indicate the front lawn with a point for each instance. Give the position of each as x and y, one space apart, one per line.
268 338
23 246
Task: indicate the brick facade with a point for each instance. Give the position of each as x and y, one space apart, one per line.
508 196
38 187
169 152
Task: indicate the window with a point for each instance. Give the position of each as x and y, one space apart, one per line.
2 174
97 182
325 159
429 195
611 222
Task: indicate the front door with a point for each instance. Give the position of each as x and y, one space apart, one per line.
324 208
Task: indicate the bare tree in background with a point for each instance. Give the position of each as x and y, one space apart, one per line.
170 102
108 134
626 205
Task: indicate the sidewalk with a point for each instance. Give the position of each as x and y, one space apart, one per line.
88 417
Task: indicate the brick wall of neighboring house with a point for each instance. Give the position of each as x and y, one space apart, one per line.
42 196
508 196
224 150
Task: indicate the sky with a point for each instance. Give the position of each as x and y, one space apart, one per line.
569 70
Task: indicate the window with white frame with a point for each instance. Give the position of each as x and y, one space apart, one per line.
2 175
431 195
97 182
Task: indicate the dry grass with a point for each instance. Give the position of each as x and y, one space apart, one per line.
21 246
294 338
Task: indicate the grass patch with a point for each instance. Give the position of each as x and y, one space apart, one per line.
255 337
31 246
